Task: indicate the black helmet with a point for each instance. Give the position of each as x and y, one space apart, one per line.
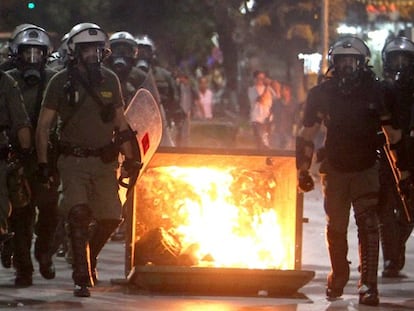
398 59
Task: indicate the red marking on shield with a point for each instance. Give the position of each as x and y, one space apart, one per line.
145 143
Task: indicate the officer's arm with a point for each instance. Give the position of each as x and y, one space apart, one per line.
304 154
122 125
46 118
305 146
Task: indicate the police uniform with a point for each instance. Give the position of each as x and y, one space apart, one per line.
22 219
86 179
395 229
349 173
13 116
353 106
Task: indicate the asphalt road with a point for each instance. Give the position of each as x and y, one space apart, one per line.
395 294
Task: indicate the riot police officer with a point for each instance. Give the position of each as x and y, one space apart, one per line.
395 228
13 119
85 96
350 104
123 59
30 49
166 85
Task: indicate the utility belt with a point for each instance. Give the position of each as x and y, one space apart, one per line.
108 153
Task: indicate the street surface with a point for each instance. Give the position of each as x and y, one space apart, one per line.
395 294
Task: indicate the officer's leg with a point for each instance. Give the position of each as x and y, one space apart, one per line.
388 227
5 207
79 219
337 208
101 234
22 221
45 231
5 210
365 209
405 230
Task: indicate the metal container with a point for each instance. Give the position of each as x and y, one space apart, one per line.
262 187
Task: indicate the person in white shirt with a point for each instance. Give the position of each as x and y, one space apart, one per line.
260 98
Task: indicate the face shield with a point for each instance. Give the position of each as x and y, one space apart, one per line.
346 65
399 66
398 61
145 53
90 56
90 53
31 61
122 59
32 54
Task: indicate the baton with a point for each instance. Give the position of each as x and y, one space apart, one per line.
396 179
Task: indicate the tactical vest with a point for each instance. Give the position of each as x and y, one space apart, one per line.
352 123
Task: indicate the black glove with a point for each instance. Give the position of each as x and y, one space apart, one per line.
132 167
43 173
305 181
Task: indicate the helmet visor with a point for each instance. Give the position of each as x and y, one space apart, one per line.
32 54
346 64
398 61
91 53
122 50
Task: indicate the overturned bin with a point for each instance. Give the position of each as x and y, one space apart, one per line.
217 222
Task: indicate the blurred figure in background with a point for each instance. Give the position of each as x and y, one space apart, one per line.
188 97
261 99
166 85
204 103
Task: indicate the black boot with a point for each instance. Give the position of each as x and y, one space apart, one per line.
78 220
21 221
368 238
7 251
101 234
389 244
339 275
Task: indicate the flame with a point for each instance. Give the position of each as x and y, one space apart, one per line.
216 224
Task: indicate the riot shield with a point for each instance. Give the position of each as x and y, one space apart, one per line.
144 117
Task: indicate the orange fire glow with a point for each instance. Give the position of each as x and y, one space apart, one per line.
215 222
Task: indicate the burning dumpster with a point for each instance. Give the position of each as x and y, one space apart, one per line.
211 221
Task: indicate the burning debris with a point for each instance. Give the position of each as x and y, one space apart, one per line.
207 216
